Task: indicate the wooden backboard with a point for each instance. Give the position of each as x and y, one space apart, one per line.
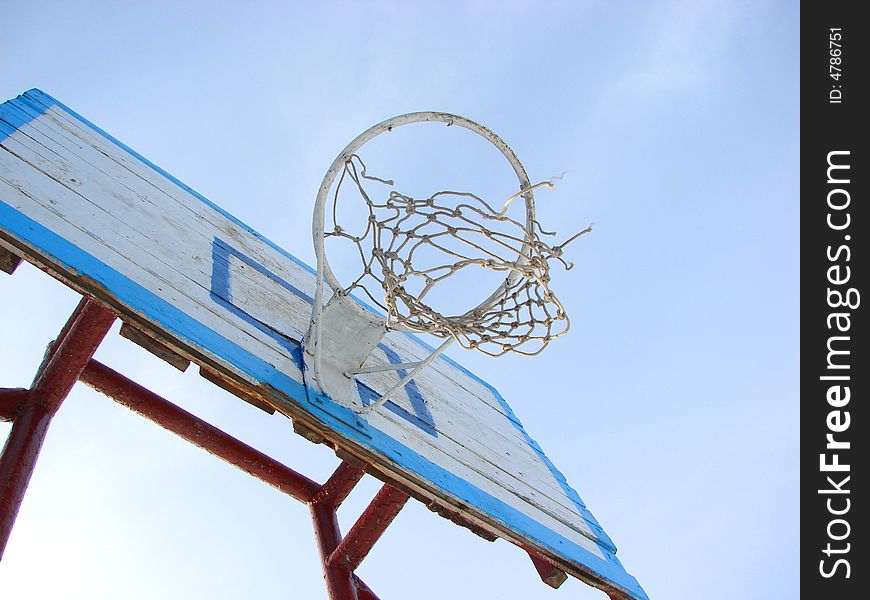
79 204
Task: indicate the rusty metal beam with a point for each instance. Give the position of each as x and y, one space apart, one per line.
368 529
60 369
340 584
323 500
339 485
208 437
68 355
18 462
12 402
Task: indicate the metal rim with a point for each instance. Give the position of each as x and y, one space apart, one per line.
324 271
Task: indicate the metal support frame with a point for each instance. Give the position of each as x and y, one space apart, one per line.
70 358
196 431
33 410
368 529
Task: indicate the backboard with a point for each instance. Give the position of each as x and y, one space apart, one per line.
79 204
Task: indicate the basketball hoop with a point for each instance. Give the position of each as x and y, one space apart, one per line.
522 315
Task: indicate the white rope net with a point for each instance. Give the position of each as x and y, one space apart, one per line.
464 232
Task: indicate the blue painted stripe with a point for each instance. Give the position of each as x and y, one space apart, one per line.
12 118
422 417
185 328
593 523
192 332
221 293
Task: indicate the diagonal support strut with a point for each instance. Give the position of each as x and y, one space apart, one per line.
59 371
368 529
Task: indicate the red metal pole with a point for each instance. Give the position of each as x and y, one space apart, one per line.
368 528
208 437
12 402
339 582
59 371
66 356
17 463
339 485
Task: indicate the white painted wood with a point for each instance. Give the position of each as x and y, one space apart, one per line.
140 181
282 310
64 175
96 189
273 305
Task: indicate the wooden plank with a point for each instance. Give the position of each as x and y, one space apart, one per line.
235 389
550 575
8 261
308 433
156 348
528 480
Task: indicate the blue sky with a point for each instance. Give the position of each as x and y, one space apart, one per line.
672 406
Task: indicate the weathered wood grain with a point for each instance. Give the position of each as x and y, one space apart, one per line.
285 312
8 261
156 348
94 197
